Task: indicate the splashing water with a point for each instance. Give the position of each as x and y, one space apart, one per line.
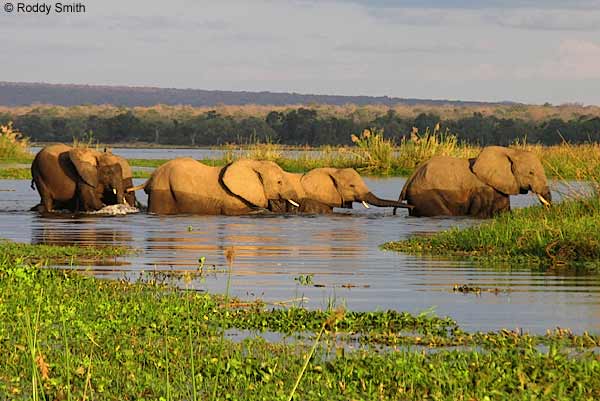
115 210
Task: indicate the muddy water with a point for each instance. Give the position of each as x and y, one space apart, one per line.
339 254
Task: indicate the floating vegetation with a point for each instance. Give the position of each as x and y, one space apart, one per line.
69 336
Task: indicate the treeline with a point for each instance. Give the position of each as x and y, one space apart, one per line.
300 126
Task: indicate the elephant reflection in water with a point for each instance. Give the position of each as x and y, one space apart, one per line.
78 232
259 247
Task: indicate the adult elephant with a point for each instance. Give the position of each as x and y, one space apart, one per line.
322 189
80 179
477 187
185 185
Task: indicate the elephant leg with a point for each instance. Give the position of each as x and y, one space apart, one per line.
431 203
488 202
88 198
501 203
314 207
46 204
162 202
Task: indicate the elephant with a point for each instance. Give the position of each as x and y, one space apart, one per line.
184 185
324 188
79 179
478 187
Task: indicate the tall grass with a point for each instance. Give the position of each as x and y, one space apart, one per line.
422 147
374 151
14 147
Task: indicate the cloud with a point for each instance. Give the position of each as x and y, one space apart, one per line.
481 4
427 47
554 20
576 59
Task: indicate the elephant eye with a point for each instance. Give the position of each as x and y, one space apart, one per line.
531 173
279 182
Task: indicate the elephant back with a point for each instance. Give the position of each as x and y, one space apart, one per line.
440 173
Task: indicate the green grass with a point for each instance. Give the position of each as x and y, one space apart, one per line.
12 173
69 336
566 233
13 146
27 253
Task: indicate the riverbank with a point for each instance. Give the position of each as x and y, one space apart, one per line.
66 335
564 235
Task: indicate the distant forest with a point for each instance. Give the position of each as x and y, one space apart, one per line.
290 126
21 94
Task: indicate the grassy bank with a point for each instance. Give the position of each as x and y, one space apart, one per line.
567 233
68 336
372 154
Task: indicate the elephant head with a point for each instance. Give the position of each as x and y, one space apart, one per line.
102 173
340 188
512 172
127 176
258 182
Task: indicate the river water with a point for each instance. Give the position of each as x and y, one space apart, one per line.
321 259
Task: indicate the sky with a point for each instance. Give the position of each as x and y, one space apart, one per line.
487 50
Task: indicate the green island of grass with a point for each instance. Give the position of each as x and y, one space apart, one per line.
67 336
566 234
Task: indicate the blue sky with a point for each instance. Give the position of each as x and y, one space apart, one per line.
527 51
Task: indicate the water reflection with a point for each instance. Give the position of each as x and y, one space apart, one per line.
339 251
78 231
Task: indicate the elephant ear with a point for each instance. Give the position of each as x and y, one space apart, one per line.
320 184
494 167
241 179
86 164
110 159
125 167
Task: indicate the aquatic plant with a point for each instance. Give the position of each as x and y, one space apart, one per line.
112 340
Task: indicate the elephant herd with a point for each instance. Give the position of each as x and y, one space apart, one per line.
83 179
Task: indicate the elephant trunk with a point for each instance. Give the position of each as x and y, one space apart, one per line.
375 201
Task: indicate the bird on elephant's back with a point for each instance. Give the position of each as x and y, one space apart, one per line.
80 179
479 187
184 185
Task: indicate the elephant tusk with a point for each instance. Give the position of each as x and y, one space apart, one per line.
365 204
125 202
136 188
293 203
543 200
114 191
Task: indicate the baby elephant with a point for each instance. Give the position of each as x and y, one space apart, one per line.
478 187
